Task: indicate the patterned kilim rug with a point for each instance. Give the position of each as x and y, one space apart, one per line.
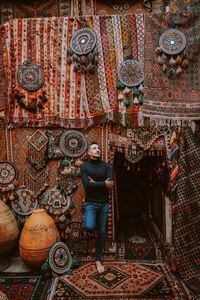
120 280
138 242
23 286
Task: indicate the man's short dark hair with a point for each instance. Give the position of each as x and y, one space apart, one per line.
92 143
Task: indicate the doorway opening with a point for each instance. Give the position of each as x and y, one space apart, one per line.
140 205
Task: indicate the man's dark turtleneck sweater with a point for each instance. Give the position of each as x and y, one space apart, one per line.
98 171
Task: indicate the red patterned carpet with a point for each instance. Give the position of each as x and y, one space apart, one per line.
120 280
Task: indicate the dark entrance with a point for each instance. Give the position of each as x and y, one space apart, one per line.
140 205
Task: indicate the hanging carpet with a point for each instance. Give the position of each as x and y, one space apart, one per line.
187 216
72 99
172 98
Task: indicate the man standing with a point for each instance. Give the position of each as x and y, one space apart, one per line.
97 179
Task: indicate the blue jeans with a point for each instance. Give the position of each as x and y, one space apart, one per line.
96 216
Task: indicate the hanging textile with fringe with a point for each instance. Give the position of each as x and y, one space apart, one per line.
74 99
167 98
37 148
186 217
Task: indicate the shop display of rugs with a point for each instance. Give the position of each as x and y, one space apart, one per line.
24 286
120 280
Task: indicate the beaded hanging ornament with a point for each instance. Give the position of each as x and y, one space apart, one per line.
131 77
30 77
171 55
82 50
37 147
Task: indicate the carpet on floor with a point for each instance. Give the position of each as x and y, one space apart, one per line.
25 286
120 280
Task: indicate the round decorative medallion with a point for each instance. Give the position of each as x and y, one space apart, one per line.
73 143
60 259
26 202
131 73
74 231
7 172
30 76
133 158
172 41
83 41
55 202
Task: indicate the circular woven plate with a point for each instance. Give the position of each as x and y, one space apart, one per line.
83 41
172 41
56 203
131 73
30 76
60 259
7 172
26 202
73 143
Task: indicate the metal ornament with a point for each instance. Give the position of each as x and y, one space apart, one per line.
131 73
30 76
60 259
26 202
172 41
83 41
8 172
73 143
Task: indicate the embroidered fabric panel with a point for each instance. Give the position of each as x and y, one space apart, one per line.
166 97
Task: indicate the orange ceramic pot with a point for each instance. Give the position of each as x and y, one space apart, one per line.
9 233
38 235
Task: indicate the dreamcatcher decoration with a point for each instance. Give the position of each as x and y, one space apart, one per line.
131 77
30 78
59 258
82 50
37 147
171 52
25 203
73 144
8 181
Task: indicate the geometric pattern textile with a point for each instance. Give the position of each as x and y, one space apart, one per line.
120 280
168 98
74 99
24 286
187 214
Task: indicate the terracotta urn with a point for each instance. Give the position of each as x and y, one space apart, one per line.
38 235
9 233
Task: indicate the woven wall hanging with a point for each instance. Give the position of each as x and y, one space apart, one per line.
36 181
30 76
81 50
73 143
37 146
55 202
8 172
60 259
26 202
171 55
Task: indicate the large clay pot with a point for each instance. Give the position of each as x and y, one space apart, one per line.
9 233
38 235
